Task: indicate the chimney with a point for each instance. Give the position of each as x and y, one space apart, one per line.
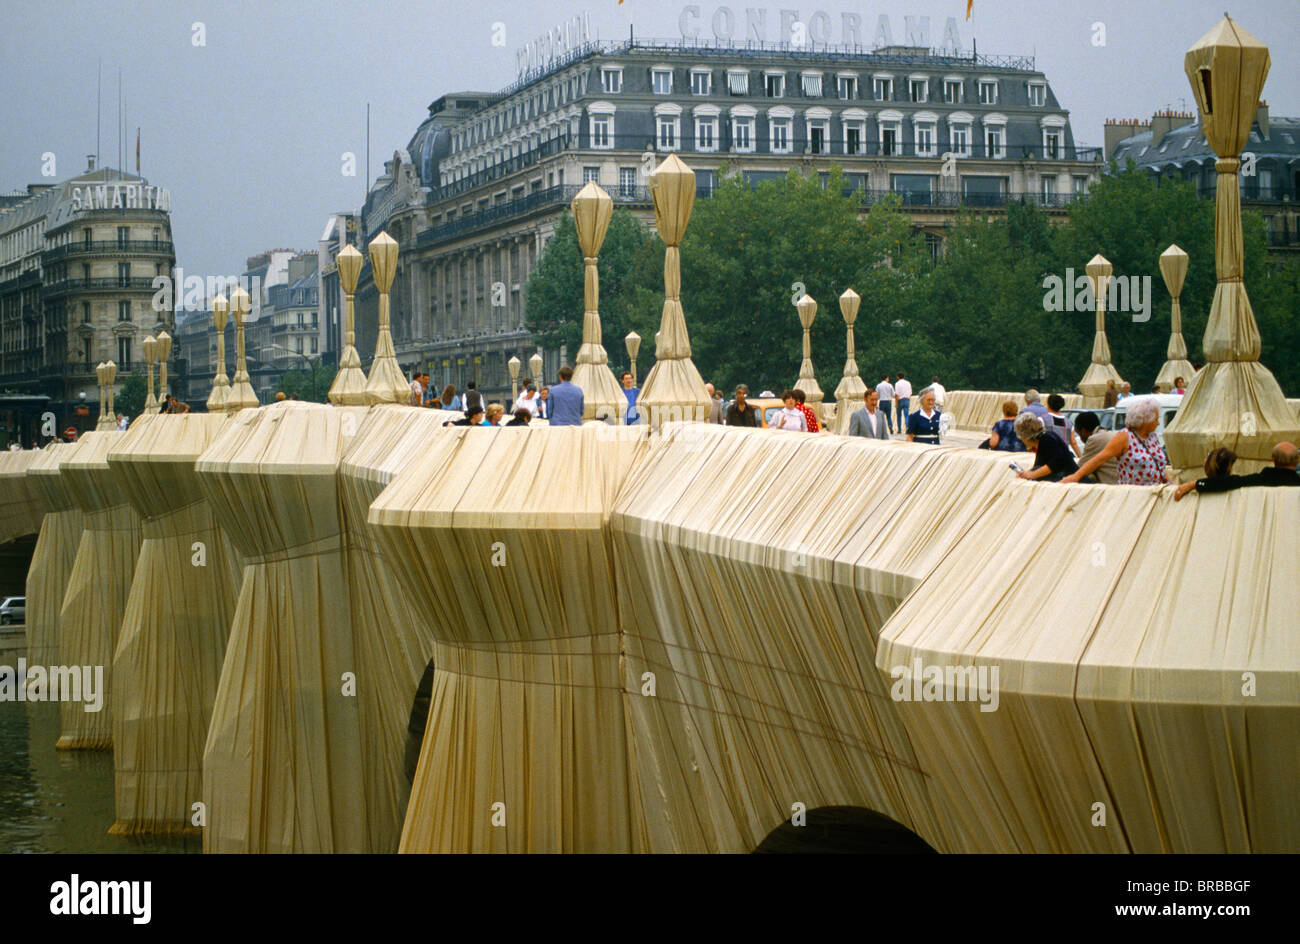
1118 130
1165 121
1261 119
90 163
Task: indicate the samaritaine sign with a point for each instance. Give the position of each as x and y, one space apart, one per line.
120 197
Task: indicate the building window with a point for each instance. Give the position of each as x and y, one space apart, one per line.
124 273
1048 189
1037 93
602 131
774 84
661 81
627 181
738 83
591 175
704 182
988 91
916 189
611 80
1052 143
934 246
959 136
918 89
1080 186
85 312
706 134
818 136
812 84
779 135
952 91
882 88
701 82
742 134
667 128
925 139
123 235
86 235
124 354
846 87
889 136
995 141
855 133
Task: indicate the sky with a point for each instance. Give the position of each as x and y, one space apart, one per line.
246 109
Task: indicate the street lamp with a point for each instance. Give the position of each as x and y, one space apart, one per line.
150 358
535 364
349 387
219 398
241 393
633 342
513 364
164 352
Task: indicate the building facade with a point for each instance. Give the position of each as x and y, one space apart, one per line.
474 197
79 268
1170 146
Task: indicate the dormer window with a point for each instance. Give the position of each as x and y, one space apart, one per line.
661 81
611 79
988 91
1037 93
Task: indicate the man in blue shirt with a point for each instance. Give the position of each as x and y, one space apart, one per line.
631 392
1034 405
567 401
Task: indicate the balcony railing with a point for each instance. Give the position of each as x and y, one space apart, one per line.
82 285
939 199
109 247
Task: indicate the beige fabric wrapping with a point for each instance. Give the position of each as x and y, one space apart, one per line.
52 560
525 749
174 629
393 638
21 506
1127 630
95 599
282 765
977 410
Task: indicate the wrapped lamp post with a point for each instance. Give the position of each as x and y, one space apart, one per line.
1173 268
633 342
349 386
807 382
602 397
386 383
219 398
535 365
1235 401
164 352
150 345
1093 384
851 388
673 388
105 398
241 392
513 364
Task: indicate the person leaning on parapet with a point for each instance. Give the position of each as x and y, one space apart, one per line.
175 406
742 412
809 417
902 401
869 421
1052 460
631 392
715 404
473 417
1141 458
567 400
885 391
522 417
1058 424
1088 426
923 425
1283 472
1034 405
790 417
1003 437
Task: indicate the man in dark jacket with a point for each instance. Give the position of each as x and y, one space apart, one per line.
741 413
1283 473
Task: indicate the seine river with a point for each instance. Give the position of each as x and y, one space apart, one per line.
58 801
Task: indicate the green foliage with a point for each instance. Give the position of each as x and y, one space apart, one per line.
975 318
129 401
312 385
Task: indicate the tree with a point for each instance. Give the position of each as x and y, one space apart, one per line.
129 401
312 385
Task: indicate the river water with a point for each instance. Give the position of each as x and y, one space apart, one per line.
58 801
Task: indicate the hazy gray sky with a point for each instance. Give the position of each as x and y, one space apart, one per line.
248 130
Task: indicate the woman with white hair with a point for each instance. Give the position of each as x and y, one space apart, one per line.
1052 458
1140 457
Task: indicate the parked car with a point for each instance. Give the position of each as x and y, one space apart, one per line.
1113 417
13 610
